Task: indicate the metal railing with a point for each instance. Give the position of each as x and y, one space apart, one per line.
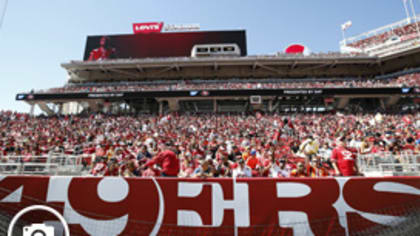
29 168
400 169
387 50
375 164
389 164
53 164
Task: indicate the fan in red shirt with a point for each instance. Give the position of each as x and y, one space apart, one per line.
343 160
299 171
167 160
103 52
100 167
316 169
252 160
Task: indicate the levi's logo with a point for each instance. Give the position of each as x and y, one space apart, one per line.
147 27
144 28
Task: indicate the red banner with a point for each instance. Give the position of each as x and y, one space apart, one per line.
146 28
165 206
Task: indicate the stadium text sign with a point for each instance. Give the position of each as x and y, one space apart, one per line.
105 95
303 91
180 27
146 28
329 206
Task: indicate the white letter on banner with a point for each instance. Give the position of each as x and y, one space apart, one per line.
189 217
240 204
58 192
298 221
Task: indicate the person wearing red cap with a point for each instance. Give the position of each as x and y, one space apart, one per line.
343 160
168 160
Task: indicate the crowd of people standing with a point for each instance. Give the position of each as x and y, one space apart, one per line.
222 145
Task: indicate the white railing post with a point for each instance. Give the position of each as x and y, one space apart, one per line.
48 161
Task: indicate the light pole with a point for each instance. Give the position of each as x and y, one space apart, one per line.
406 11
415 17
3 13
344 27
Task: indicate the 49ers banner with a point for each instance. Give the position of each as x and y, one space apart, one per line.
165 206
146 28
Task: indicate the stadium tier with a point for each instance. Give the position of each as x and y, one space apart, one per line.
406 81
387 40
405 32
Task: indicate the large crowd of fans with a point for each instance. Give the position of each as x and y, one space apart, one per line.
410 80
407 30
217 145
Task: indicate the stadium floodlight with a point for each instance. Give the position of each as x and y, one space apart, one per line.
3 13
415 17
406 11
344 27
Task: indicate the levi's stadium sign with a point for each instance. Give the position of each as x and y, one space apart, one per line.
157 27
181 27
146 28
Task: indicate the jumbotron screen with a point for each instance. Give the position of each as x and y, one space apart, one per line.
177 44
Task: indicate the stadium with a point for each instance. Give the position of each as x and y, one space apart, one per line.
172 130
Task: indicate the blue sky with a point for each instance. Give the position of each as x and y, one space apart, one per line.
36 36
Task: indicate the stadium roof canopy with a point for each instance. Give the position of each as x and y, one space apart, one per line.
264 66
216 67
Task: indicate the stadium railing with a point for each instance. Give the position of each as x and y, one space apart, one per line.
385 50
377 164
42 165
29 168
389 164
